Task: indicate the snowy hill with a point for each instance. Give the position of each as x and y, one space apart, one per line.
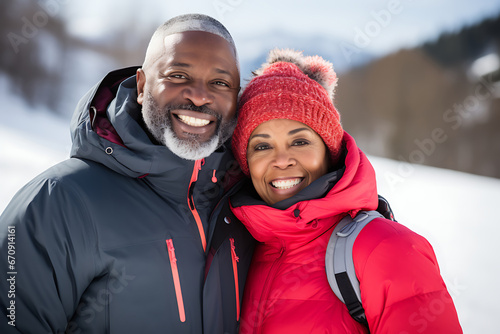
456 212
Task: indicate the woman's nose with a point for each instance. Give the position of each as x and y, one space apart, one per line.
283 159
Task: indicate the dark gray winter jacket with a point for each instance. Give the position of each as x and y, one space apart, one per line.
115 239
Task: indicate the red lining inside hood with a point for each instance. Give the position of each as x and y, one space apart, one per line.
103 97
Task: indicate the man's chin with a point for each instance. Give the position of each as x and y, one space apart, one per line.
194 138
190 147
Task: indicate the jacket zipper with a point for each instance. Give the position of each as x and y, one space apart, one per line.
194 212
267 285
177 283
235 261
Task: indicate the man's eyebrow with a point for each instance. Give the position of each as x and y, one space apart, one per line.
186 65
222 71
180 65
298 130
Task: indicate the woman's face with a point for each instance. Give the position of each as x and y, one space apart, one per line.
284 157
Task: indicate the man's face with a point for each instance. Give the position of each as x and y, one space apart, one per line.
189 94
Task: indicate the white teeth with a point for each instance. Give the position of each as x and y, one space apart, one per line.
192 121
285 184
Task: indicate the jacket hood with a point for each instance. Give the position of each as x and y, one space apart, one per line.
355 190
106 128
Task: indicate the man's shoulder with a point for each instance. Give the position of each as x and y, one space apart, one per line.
71 176
74 170
52 197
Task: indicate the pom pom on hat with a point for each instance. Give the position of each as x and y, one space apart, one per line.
322 72
315 67
290 86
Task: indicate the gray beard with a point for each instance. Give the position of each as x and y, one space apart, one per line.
159 123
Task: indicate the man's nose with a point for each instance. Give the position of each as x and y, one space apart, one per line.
198 93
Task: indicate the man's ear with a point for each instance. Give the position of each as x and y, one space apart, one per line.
141 81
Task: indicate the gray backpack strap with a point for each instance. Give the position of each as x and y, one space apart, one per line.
340 265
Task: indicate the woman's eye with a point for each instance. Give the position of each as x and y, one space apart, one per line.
261 147
300 142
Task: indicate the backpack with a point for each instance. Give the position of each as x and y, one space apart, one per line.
339 262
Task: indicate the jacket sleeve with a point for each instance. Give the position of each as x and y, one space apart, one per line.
402 290
45 230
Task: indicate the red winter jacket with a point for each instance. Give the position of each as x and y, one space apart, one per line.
287 289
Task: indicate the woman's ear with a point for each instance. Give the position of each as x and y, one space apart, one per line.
141 81
338 161
329 161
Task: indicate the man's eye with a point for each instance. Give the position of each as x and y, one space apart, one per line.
177 76
221 83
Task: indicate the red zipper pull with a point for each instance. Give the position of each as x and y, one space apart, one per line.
233 250
177 283
197 168
171 251
235 259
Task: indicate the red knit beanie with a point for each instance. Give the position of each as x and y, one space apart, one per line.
290 86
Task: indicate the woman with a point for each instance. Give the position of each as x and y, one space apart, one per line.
306 175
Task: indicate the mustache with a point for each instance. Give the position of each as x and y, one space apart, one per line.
191 107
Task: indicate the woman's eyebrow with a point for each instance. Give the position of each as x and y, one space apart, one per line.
292 132
263 135
298 130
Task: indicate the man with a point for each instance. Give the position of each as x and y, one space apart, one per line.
115 239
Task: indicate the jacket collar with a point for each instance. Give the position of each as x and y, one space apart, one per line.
106 128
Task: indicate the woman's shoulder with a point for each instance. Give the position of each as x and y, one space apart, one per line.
387 231
385 242
399 275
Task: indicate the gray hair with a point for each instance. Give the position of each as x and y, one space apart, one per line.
183 23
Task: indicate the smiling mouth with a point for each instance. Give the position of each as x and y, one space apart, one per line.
193 121
286 184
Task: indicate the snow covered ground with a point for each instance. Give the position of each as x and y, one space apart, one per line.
456 212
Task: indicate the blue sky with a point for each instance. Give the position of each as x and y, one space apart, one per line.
387 25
